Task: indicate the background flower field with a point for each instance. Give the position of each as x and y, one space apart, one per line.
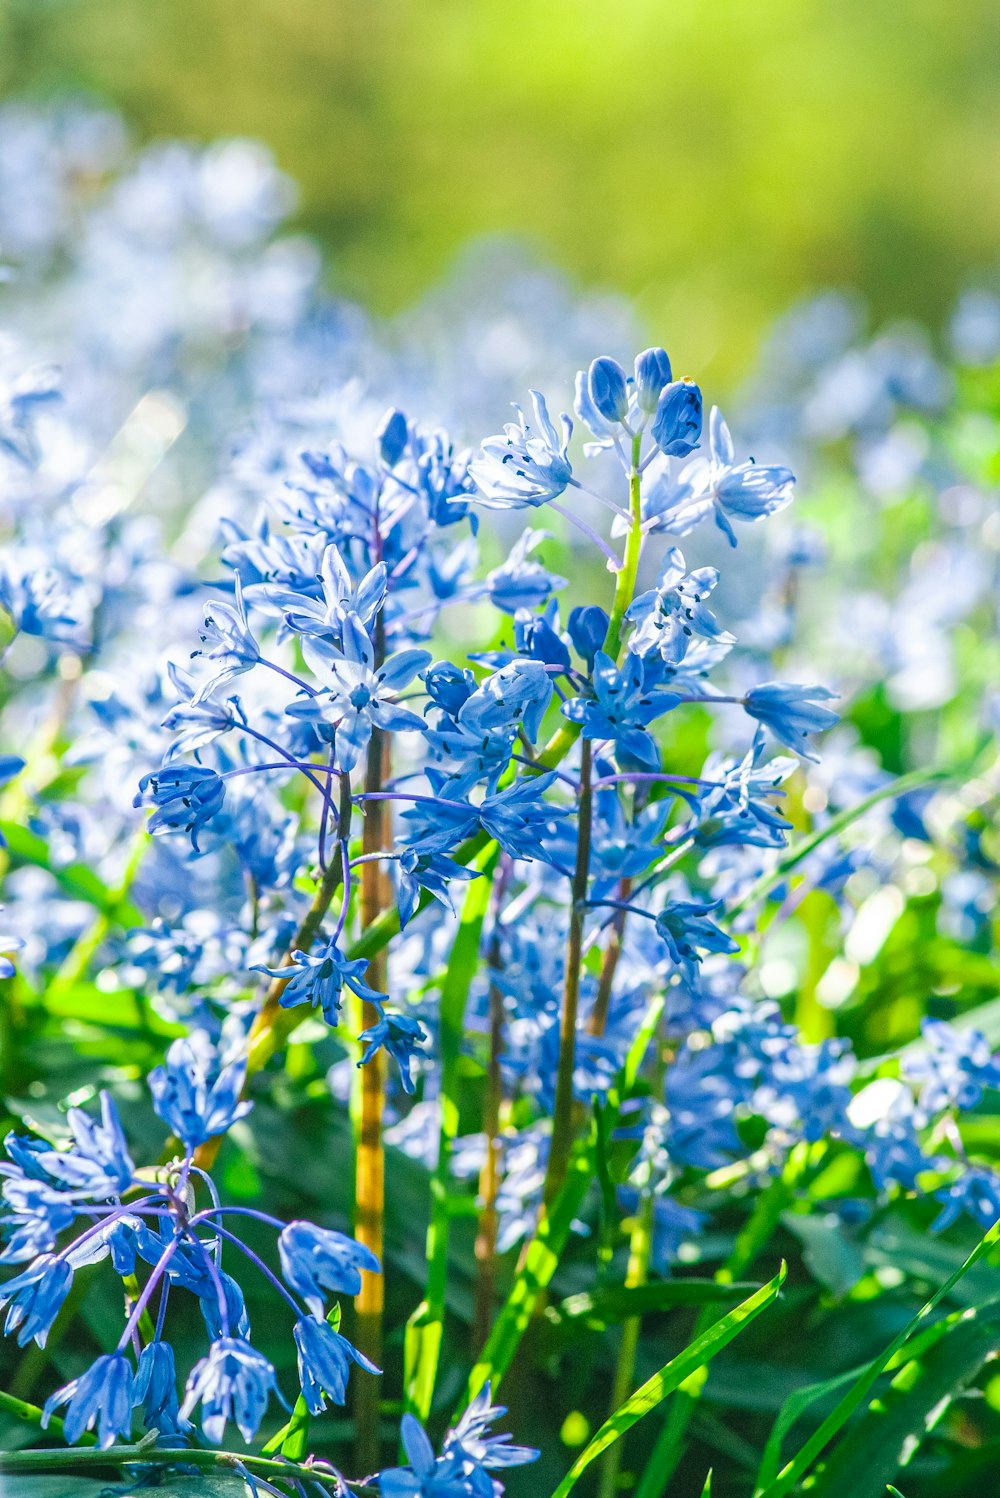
588 823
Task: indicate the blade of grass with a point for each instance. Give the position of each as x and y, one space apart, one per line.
793 1470
656 1389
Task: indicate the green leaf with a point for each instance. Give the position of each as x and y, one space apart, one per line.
425 1328
656 1389
614 1303
893 1427
830 1254
790 1474
791 859
74 879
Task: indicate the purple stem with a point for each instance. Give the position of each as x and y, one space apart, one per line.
269 1274
295 680
148 1288
590 533
643 778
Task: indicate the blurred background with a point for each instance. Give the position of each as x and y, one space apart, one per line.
714 163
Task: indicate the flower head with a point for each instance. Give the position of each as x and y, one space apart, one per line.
521 469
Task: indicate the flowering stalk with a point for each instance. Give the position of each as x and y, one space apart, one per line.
148 1454
489 1176
609 965
562 1114
368 1100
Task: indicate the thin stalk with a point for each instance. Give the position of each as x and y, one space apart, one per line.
625 581
489 1176
146 1454
640 1246
599 1014
32 1414
562 1113
273 1025
368 1101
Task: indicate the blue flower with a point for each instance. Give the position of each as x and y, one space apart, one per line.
314 1259
325 1359
955 1067
428 1476
588 629
233 1382
791 712
392 436
103 1395
196 1092
432 872
621 708
398 1035
473 1438
155 1388
227 631
186 798
358 696
685 928
669 616
732 812
35 1297
320 979
326 616
977 1192
98 1161
717 484
652 372
676 427
519 583
41 602
518 470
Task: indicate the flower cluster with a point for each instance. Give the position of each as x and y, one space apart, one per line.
75 1202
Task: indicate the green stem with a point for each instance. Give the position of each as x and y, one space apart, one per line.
58 1460
368 1105
637 1272
31 1414
625 583
562 1112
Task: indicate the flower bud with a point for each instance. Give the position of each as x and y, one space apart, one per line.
652 372
392 437
608 390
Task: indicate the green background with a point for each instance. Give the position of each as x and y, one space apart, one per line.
711 160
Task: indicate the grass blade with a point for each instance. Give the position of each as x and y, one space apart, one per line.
656 1389
790 1474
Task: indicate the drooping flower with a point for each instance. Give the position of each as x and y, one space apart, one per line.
186 798
315 1259
791 712
233 1382
324 1360
101 1396
320 979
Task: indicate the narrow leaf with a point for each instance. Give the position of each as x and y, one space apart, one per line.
791 1473
656 1389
